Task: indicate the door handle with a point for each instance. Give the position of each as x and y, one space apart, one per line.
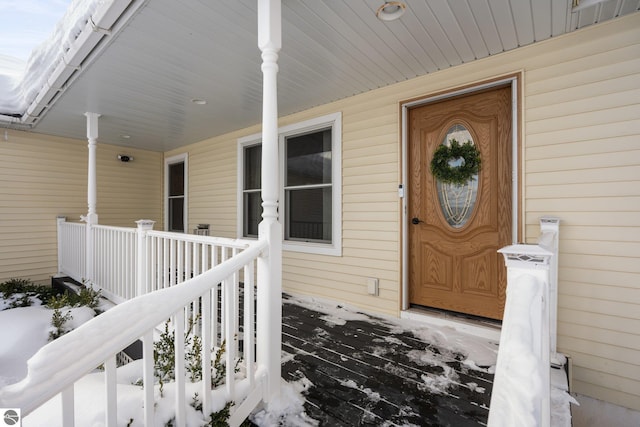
416 221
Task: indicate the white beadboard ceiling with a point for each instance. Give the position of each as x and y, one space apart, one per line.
171 52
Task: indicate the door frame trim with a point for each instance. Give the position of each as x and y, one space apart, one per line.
514 80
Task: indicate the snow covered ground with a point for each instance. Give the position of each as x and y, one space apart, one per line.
29 331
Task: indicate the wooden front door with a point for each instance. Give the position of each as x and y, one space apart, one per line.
455 230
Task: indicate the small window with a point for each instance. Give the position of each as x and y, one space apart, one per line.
251 192
310 198
175 207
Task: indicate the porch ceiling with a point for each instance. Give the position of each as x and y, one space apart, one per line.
171 52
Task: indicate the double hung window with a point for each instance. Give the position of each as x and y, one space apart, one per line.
175 189
310 196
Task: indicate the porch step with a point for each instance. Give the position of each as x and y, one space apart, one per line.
67 284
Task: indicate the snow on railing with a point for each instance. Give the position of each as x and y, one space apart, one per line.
521 389
56 367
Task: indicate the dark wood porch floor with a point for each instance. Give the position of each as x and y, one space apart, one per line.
369 371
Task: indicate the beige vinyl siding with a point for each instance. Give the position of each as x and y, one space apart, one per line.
128 191
212 183
42 177
580 132
582 164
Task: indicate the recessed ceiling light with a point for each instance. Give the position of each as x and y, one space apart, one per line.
125 136
198 101
391 10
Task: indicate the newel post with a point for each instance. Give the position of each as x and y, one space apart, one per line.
59 221
550 240
269 292
92 216
534 260
142 257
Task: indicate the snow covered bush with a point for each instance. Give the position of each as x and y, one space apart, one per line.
164 358
62 305
23 293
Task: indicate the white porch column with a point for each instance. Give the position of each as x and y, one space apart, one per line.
92 192
269 325
92 216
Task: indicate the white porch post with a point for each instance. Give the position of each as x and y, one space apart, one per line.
269 325
525 261
550 240
59 221
144 225
92 216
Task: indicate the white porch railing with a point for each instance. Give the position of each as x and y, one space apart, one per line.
521 388
52 371
72 248
128 262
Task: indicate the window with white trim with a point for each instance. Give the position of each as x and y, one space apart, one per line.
251 199
176 190
310 196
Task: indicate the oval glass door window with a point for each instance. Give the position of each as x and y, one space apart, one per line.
457 200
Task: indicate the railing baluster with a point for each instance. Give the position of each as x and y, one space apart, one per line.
223 300
131 267
165 264
68 410
187 262
249 304
195 316
153 264
147 378
236 290
179 254
230 316
214 316
180 402
203 261
172 259
214 302
110 379
206 354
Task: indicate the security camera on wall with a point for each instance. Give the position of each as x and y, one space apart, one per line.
124 158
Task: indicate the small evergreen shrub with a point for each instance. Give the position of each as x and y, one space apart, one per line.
58 303
59 321
164 358
24 293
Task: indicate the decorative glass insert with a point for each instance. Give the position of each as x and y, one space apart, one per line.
457 200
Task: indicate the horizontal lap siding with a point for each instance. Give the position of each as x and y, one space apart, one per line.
128 191
42 177
212 183
370 210
582 164
370 205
